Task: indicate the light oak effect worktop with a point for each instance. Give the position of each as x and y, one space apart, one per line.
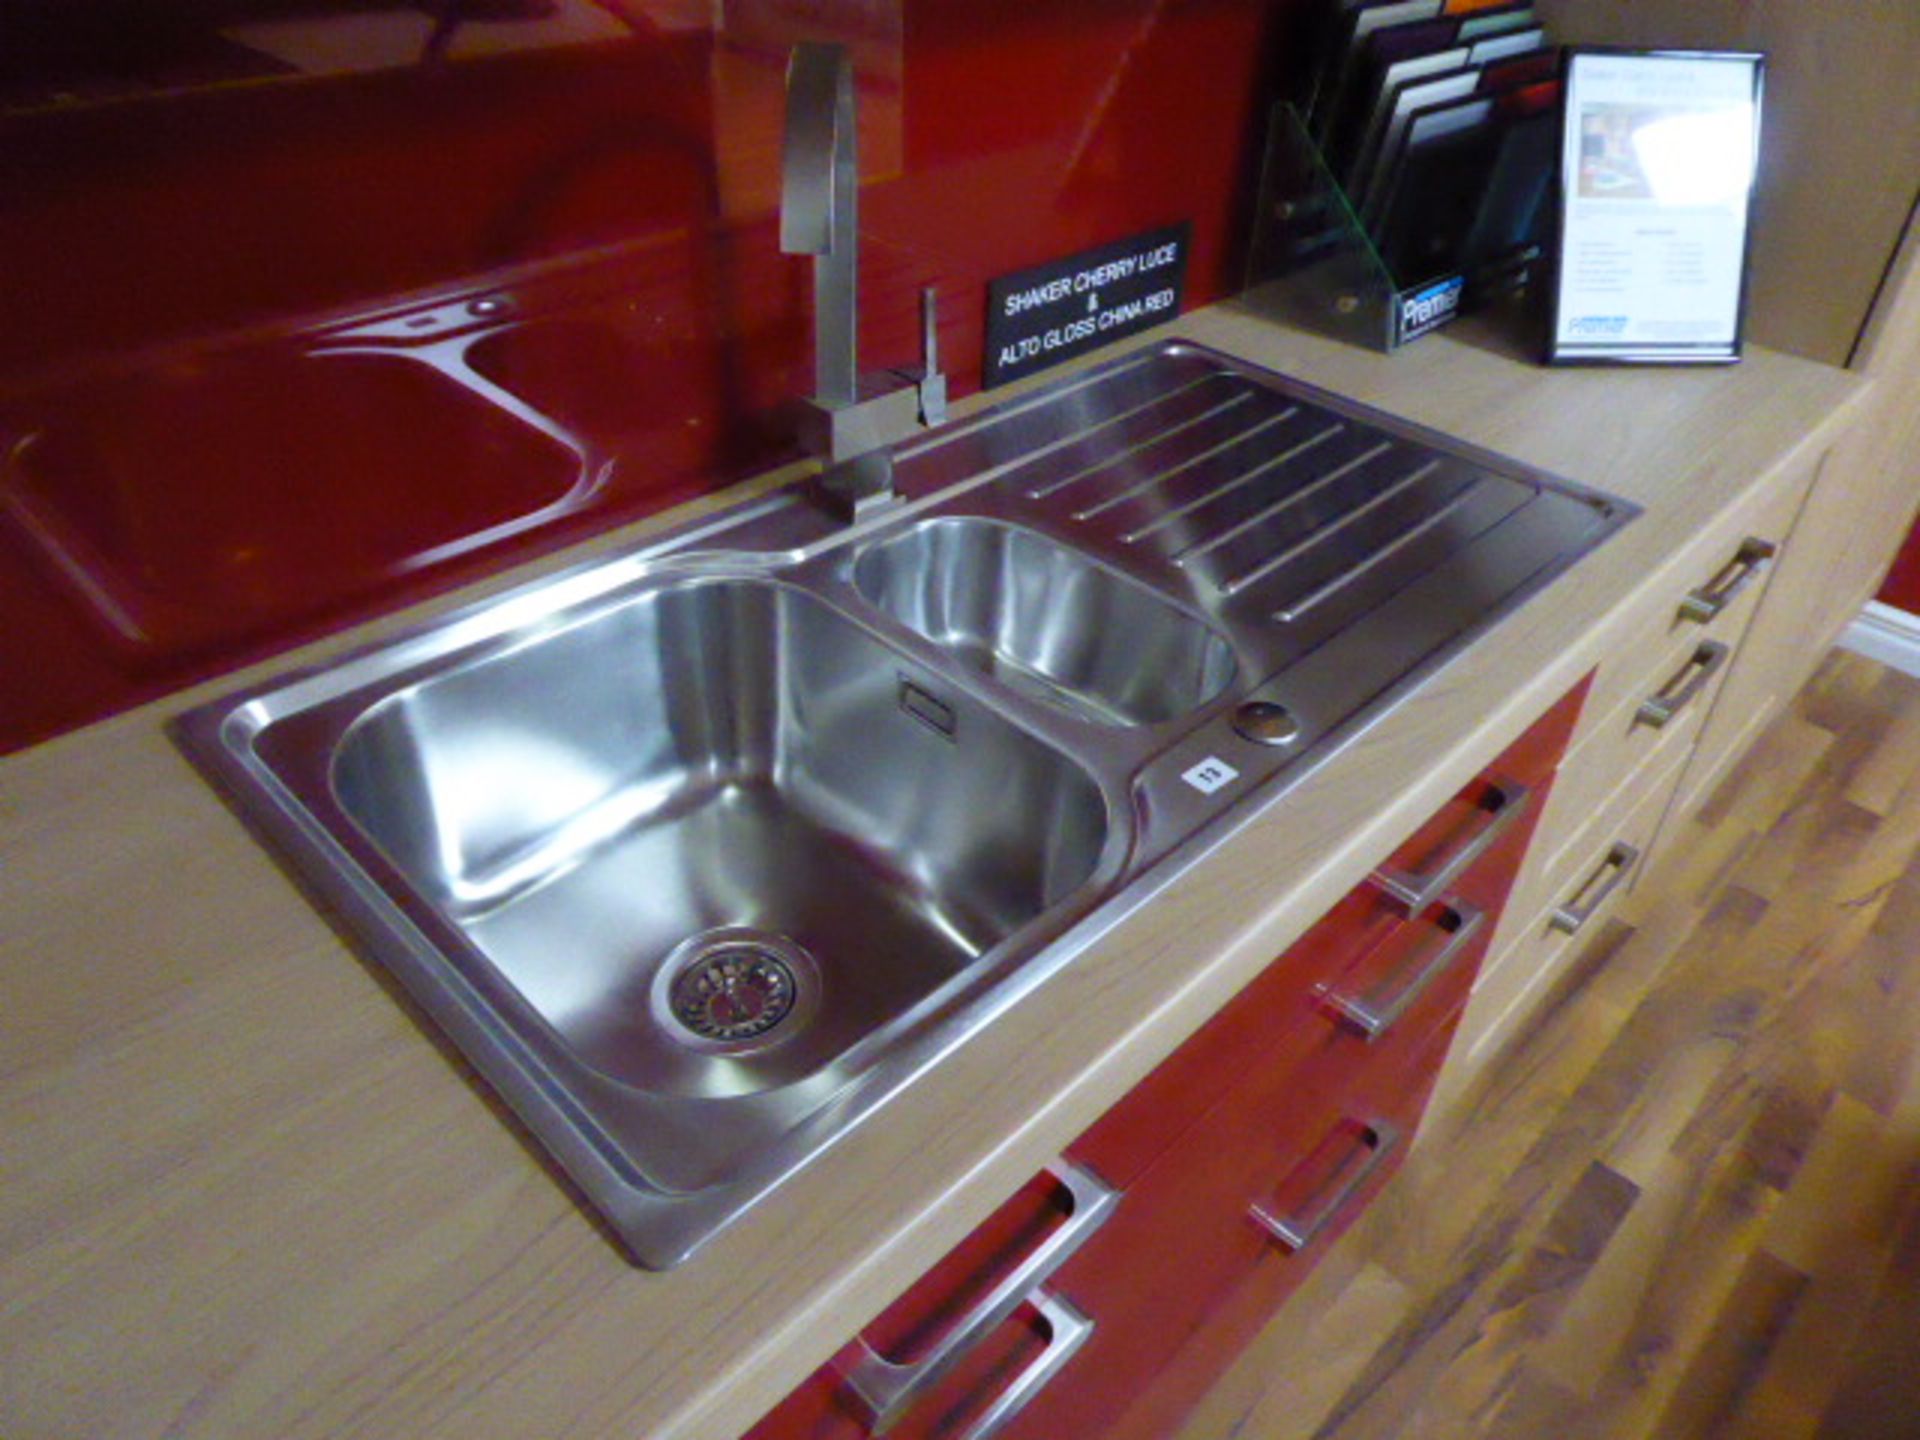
245 1193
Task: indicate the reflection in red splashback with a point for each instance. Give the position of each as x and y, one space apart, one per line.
200 503
176 217
283 353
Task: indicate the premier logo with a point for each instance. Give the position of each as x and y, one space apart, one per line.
1427 309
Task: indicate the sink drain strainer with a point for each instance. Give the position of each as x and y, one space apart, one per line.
729 987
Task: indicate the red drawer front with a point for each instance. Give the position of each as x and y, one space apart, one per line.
1255 1029
1366 945
1255 1024
1163 1399
1019 1351
1284 1011
906 1330
1184 1242
1043 1213
1308 1141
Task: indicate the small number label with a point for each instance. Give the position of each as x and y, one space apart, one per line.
1210 775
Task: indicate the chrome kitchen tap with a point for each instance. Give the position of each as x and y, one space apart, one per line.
819 216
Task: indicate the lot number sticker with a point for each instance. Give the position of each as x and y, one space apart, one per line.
1210 774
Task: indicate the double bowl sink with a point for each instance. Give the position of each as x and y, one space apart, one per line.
701 852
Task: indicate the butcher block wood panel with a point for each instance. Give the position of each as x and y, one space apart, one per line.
1685 1203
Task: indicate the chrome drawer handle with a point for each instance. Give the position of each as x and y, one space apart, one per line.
1380 1009
1748 563
1685 687
1296 1232
889 1390
1617 865
1067 1331
1417 890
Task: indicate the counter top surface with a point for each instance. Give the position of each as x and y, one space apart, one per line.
245 1191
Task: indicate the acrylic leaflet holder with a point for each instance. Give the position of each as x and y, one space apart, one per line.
1314 262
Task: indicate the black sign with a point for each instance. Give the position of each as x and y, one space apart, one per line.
1053 312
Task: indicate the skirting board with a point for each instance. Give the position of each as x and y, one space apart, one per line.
1885 634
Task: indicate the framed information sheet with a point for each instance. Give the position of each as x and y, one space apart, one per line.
1656 178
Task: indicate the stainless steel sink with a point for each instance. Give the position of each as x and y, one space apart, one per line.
1046 620
702 852
716 835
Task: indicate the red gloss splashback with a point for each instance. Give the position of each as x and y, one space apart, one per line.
1901 588
303 342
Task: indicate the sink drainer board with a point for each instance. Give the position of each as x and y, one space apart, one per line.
1284 512
701 852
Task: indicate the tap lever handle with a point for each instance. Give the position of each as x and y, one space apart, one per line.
933 385
930 329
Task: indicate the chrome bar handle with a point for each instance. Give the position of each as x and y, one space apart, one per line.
1685 687
1067 1331
889 1390
1615 867
1419 889
1380 1009
1749 561
1298 1232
